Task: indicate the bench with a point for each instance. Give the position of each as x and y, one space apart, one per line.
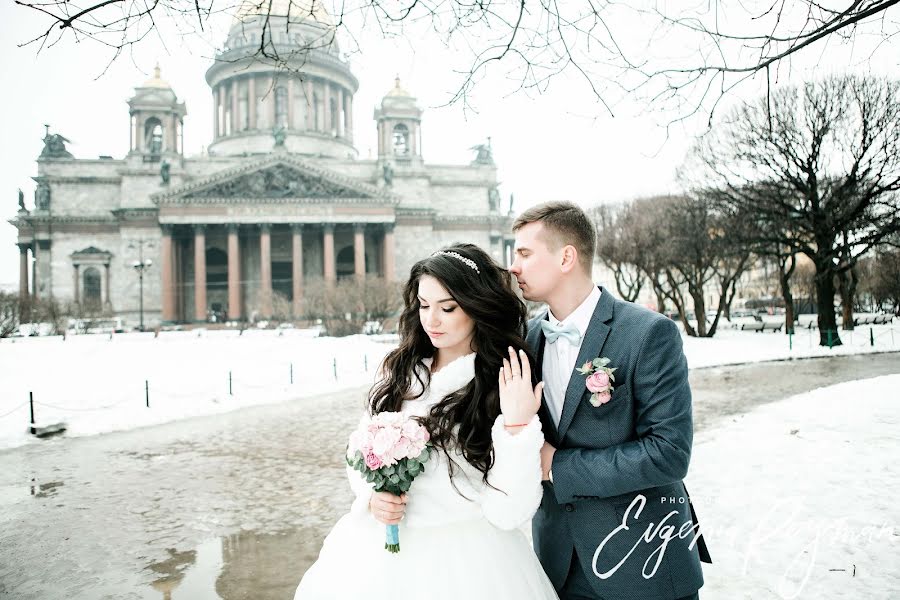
764 326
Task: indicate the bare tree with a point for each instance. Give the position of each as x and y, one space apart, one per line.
819 165
610 46
617 248
10 313
702 253
381 298
883 282
644 219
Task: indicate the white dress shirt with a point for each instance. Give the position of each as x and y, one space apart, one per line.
560 356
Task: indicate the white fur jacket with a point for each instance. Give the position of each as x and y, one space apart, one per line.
432 499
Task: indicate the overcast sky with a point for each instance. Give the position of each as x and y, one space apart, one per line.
559 144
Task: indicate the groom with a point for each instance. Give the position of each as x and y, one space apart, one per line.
615 520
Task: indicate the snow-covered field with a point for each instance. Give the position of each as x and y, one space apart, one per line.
96 383
798 499
730 346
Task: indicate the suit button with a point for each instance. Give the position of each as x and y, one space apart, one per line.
570 508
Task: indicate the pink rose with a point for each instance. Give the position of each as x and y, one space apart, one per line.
600 398
598 382
372 461
384 440
401 449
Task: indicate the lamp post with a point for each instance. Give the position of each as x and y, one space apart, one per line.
141 265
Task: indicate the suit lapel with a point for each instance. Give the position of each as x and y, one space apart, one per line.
591 347
535 340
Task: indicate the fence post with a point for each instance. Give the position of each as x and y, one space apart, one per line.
334 365
31 407
871 337
229 384
292 373
366 360
790 341
147 392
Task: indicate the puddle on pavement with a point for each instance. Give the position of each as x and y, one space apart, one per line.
244 565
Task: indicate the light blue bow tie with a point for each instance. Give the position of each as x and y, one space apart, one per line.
553 332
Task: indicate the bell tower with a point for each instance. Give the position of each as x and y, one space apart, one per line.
157 120
399 122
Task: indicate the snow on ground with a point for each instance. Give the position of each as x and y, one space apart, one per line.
96 383
733 346
798 499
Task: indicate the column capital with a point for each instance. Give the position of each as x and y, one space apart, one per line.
233 227
265 227
297 227
166 228
359 227
199 227
328 227
23 246
388 227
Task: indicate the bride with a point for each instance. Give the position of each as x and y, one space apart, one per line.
461 369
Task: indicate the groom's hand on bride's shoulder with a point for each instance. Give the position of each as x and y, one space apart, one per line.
387 508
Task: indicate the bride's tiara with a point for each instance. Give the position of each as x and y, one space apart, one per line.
467 261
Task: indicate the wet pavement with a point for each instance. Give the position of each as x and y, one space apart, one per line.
235 506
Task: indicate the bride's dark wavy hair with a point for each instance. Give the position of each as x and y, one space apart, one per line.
489 299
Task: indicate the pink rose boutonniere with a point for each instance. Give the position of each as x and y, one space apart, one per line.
599 380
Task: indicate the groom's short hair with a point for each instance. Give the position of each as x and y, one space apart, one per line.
565 224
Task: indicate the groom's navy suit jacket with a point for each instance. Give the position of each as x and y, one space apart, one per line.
637 444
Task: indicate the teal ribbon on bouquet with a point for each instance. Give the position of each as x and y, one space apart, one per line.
392 539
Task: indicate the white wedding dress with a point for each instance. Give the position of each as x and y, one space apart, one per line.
450 547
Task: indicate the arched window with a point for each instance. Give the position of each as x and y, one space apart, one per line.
153 134
92 297
281 107
401 140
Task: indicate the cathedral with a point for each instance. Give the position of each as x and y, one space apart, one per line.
279 199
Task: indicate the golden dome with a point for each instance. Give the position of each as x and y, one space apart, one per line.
156 81
397 91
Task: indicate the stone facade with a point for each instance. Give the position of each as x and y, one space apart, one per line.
279 199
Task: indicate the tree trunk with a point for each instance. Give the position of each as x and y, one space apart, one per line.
784 275
678 301
660 299
828 332
699 310
847 283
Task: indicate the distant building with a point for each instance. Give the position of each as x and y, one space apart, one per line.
280 198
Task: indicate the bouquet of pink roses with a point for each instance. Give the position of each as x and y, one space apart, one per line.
390 451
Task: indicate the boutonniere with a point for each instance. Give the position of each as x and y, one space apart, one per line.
599 380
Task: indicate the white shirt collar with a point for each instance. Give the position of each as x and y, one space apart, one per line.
581 316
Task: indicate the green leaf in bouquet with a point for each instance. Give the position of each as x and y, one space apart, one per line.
395 479
389 470
404 486
370 476
414 469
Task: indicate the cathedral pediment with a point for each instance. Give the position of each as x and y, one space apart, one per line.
273 179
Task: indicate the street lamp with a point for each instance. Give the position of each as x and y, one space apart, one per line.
141 265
